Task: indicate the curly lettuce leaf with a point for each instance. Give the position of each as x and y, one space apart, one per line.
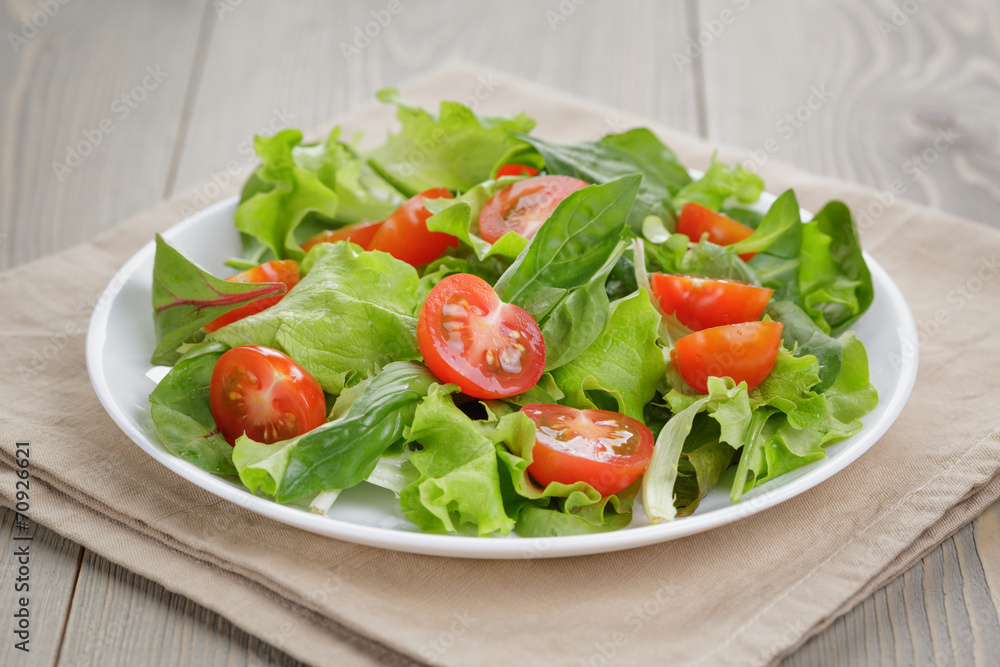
460 218
623 361
459 482
350 315
718 184
186 297
182 415
455 149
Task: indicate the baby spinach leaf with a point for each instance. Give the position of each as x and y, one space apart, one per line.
777 242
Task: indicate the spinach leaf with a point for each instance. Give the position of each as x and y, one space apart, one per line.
182 414
777 242
803 337
186 298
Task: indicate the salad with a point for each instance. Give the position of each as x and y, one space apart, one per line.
512 335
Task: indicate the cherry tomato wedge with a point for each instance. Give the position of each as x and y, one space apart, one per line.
468 336
697 220
279 271
525 205
263 393
405 236
702 303
605 449
514 169
360 233
745 352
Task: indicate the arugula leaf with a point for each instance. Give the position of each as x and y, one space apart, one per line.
456 149
624 360
340 454
718 184
636 151
459 481
186 298
559 278
271 215
182 414
350 315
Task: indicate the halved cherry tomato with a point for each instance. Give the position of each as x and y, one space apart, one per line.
696 220
745 352
265 394
605 449
525 205
702 303
279 271
514 169
360 233
405 236
468 336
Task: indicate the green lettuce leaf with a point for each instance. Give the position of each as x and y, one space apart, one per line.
460 218
636 151
560 277
350 315
459 481
623 361
182 414
718 184
455 149
704 458
804 337
186 298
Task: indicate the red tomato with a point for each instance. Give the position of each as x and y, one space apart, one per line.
405 236
263 393
360 233
514 169
697 220
702 303
745 352
283 271
605 449
468 336
525 205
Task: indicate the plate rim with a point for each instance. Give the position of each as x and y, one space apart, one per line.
493 547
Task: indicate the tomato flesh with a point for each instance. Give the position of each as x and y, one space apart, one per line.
703 303
525 205
514 169
279 271
469 337
265 394
696 220
605 449
360 233
745 352
405 236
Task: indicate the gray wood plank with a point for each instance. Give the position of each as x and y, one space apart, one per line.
53 565
63 91
887 92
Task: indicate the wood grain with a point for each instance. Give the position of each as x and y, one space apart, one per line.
891 92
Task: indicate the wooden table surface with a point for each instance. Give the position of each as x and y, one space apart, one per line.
887 78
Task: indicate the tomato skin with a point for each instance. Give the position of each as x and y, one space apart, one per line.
279 271
696 220
265 394
703 303
469 337
514 169
525 205
745 352
360 233
572 446
405 236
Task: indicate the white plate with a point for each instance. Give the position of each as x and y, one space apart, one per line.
120 341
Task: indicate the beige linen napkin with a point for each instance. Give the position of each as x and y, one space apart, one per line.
745 593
